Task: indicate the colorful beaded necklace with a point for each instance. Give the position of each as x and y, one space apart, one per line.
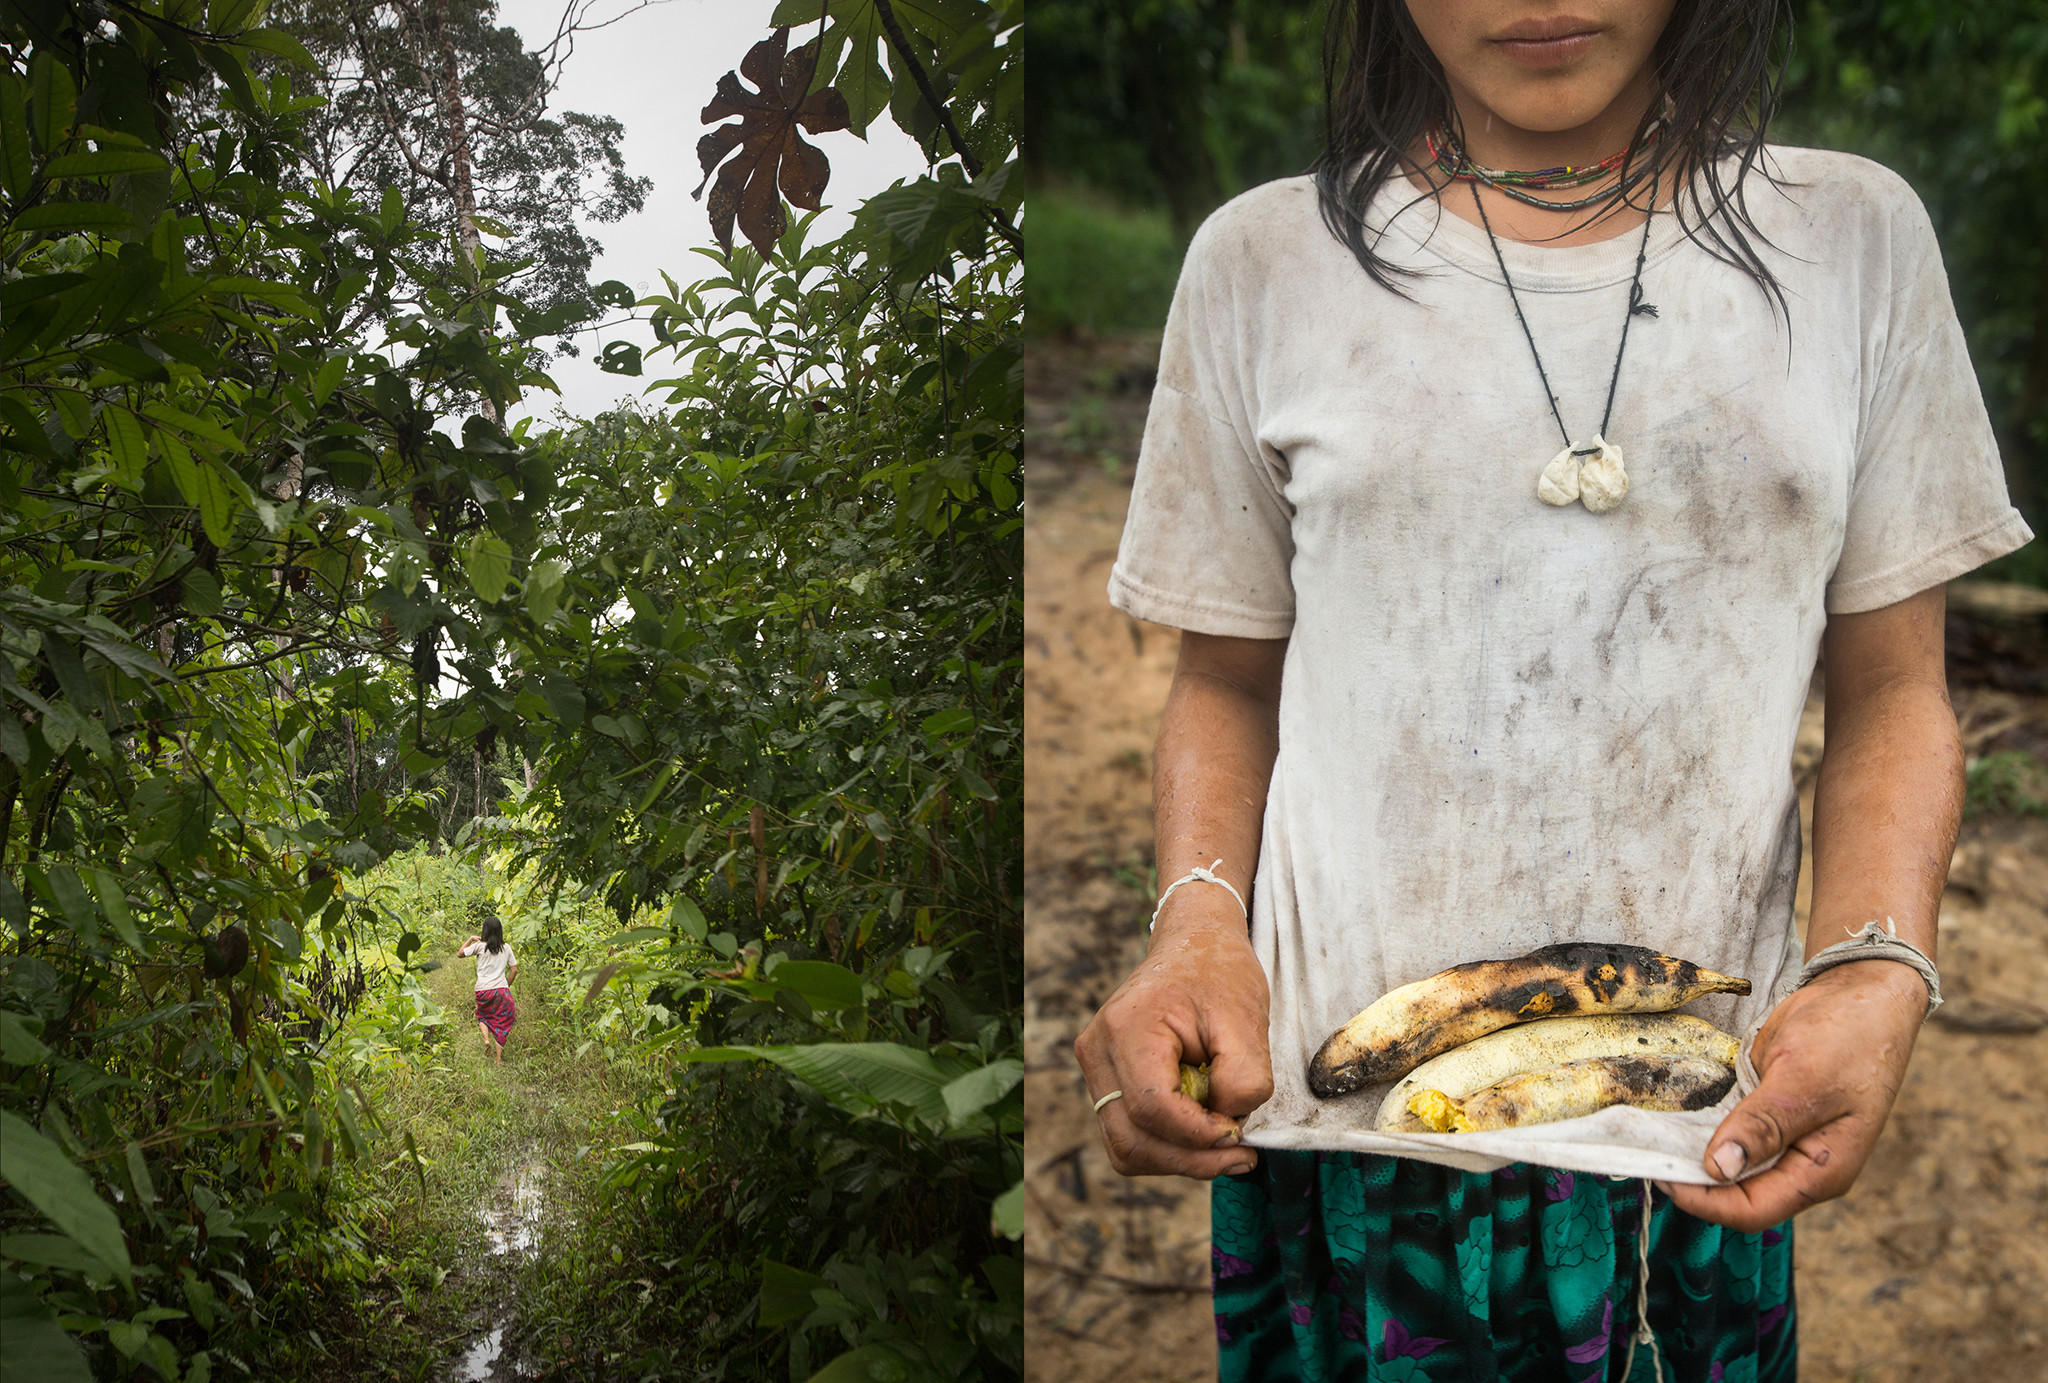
1510 182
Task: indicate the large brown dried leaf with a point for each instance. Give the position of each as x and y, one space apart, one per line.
772 155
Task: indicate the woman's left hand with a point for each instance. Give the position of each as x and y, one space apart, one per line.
1829 1060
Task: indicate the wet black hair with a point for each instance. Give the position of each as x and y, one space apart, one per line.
493 933
1718 64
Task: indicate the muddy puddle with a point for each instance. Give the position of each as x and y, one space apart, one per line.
510 1225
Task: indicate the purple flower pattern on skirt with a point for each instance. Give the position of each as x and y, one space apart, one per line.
1401 1345
1595 1348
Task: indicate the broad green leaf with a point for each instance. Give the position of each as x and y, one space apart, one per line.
33 1347
53 96
544 588
73 216
104 163
1006 1213
822 983
73 902
786 1293
688 918
37 1168
50 1251
127 446
859 1077
138 1173
488 561
114 902
868 1364
283 45
17 160
18 1041
968 1095
216 503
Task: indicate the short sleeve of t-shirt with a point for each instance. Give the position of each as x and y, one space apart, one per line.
1208 542
1928 499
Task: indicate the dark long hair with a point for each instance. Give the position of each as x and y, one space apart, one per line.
493 933
1717 65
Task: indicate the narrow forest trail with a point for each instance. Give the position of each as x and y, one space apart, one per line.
504 1153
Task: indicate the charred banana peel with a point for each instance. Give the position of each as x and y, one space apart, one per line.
1419 1021
1530 1047
1578 1088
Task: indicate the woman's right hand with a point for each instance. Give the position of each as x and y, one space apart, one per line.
1199 995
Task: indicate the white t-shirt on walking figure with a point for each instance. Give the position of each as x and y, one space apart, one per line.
1503 724
490 969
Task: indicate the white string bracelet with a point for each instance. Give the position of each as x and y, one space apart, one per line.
1199 875
1877 941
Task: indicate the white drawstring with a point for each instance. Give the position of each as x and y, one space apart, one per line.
1643 1335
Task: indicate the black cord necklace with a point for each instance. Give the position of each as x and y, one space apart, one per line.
1600 483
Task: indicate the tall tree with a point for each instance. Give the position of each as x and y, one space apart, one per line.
436 99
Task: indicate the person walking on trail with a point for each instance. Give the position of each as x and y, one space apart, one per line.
1448 693
496 968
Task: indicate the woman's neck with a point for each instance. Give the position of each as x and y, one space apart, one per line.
1491 142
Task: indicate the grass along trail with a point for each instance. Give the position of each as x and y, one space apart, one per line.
502 1195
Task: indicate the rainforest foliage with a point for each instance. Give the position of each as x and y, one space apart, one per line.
725 688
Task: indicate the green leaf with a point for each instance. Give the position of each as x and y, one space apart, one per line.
138 1173
53 96
127 447
74 902
216 504
1006 1214
488 561
106 163
283 45
968 1095
37 1168
860 1077
786 1293
36 1349
18 1042
868 1364
824 984
73 216
17 159
544 588
114 902
955 720
50 1251
688 918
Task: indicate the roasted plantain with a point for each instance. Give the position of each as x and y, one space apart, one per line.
1408 1026
1577 1088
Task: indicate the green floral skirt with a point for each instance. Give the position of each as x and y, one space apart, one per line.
1353 1266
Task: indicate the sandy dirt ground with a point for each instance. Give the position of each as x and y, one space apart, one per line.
1934 1268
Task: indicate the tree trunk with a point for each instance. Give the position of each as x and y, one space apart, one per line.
455 130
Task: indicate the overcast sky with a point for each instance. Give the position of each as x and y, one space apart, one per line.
654 71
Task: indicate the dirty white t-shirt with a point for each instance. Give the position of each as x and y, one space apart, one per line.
490 969
1504 724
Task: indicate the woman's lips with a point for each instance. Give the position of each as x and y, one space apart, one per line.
1546 52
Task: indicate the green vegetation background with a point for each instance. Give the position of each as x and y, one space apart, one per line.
1142 117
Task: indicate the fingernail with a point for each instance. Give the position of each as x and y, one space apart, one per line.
1729 1160
1238 1169
1662 1186
1228 1140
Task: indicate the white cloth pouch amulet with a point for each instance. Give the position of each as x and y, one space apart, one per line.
1602 482
1559 483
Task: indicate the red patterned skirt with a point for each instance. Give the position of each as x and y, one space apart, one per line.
495 1011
